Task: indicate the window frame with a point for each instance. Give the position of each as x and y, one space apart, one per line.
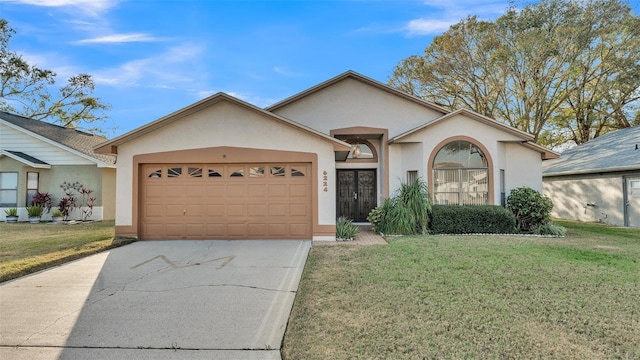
412 176
488 193
30 191
15 190
354 142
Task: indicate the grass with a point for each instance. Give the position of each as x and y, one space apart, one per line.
456 297
26 248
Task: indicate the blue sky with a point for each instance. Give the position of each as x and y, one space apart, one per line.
150 58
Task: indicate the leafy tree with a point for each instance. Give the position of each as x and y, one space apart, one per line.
603 86
559 70
24 89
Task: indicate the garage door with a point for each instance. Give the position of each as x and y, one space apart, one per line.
226 201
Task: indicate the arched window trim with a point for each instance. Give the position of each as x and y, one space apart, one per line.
356 141
490 172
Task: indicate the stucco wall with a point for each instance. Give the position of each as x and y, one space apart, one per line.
225 124
406 157
10 165
354 103
523 166
108 198
571 194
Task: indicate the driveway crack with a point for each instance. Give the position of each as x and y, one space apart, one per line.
213 285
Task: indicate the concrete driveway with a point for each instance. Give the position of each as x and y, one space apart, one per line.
157 300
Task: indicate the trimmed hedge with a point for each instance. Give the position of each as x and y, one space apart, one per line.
486 219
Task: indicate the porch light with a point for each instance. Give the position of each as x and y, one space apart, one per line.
356 151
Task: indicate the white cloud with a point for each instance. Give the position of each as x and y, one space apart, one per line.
119 38
285 72
177 65
428 26
238 95
206 93
89 7
464 8
446 13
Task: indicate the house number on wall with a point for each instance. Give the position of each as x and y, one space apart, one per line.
325 181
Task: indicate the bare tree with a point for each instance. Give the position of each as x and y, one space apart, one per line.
25 89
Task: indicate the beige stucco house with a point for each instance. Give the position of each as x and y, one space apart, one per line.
598 180
225 169
36 156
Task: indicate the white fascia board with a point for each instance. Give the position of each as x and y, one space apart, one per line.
24 161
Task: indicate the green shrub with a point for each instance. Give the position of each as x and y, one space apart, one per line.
34 210
406 213
477 219
551 230
43 200
530 208
345 229
377 217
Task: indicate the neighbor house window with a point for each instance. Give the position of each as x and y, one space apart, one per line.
460 175
635 188
8 189
33 182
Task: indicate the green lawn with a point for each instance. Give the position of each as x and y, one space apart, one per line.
472 297
26 248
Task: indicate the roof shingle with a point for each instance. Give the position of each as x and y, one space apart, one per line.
614 151
72 138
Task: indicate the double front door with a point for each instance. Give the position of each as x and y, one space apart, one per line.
356 194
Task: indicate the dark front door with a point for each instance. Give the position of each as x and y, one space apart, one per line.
356 194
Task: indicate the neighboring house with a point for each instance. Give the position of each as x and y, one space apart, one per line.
225 169
36 156
598 180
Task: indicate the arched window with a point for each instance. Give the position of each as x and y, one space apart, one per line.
460 175
361 150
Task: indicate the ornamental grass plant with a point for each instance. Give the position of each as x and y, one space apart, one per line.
406 213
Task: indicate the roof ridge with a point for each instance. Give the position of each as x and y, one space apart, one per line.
46 123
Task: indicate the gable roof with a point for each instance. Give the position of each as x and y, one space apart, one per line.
78 142
527 139
359 77
473 115
111 146
614 151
